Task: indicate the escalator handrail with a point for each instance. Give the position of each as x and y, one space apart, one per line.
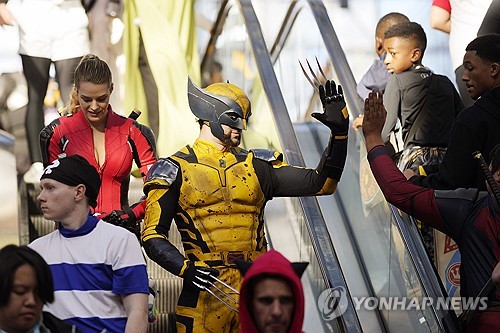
320 238
214 34
409 232
337 56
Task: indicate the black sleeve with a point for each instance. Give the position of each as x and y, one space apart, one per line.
162 205
287 181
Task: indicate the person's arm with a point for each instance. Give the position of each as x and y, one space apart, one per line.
392 102
374 79
136 307
144 147
440 19
162 188
129 277
414 200
324 179
6 17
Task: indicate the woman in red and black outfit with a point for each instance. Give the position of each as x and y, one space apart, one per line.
109 142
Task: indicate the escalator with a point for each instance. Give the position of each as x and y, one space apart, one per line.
357 245
354 239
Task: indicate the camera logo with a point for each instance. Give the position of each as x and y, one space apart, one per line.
332 303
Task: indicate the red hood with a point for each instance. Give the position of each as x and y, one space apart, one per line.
274 263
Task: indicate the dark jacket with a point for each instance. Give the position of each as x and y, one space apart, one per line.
476 128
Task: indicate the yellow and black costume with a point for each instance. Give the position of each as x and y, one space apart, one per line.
217 200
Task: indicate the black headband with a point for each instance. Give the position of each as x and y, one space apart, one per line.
74 170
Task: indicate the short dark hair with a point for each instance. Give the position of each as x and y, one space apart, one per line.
408 30
11 258
495 158
487 47
390 19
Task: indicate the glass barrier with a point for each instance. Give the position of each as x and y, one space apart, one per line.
374 257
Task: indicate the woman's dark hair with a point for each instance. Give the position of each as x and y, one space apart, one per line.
11 258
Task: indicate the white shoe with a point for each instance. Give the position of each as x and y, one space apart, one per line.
32 176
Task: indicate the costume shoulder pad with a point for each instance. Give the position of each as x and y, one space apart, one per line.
471 194
163 171
267 155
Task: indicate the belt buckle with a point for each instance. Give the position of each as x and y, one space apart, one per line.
232 256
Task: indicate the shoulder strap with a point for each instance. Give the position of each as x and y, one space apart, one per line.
432 82
467 315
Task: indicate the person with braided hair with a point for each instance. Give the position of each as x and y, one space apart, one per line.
216 193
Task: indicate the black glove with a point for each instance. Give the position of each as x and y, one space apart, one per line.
199 277
125 219
334 115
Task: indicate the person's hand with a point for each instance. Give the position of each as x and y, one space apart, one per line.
335 114
357 122
199 277
374 119
409 173
6 17
125 219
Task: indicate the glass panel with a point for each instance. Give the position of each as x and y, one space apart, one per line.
233 50
361 225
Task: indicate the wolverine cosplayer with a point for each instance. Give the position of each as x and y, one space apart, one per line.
216 193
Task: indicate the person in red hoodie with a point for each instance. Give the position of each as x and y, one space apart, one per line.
271 295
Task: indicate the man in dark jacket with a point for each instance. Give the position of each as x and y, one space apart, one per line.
476 127
271 295
469 216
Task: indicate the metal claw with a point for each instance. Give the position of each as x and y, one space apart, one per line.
307 77
321 69
314 81
231 298
225 284
222 300
205 282
313 74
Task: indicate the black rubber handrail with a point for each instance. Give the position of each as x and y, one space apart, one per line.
409 233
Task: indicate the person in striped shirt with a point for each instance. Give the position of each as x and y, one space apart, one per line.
100 278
